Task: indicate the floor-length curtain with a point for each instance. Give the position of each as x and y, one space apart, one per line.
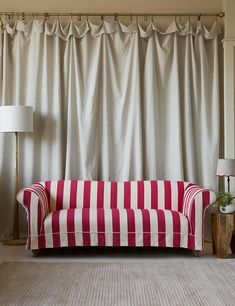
111 102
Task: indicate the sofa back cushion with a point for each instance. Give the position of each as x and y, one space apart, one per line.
100 194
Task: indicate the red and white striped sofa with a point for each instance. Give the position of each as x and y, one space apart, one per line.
96 213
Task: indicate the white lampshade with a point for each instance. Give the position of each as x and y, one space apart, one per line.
226 167
16 118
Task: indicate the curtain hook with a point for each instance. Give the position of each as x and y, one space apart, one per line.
145 18
199 17
46 16
23 16
115 16
79 17
131 16
102 17
152 18
1 23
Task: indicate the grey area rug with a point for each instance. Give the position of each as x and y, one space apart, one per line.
101 284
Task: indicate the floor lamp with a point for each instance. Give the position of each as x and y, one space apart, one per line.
16 119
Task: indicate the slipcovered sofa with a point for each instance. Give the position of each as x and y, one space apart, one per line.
97 213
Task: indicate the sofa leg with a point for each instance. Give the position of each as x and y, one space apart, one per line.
35 253
196 253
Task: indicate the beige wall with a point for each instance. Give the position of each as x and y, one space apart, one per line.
229 22
112 6
229 81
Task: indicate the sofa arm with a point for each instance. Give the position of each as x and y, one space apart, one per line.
196 200
35 202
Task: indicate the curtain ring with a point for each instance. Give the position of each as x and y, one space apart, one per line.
115 16
23 16
131 16
46 16
1 23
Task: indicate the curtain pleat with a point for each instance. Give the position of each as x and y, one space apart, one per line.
111 102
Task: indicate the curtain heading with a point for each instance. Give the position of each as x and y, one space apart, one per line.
64 31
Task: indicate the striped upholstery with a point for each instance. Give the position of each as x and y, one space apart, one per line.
195 201
135 194
137 213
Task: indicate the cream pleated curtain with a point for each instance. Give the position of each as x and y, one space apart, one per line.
111 101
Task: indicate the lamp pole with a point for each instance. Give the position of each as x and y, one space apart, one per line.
16 188
228 180
16 240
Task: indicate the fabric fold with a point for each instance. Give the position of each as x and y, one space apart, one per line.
65 31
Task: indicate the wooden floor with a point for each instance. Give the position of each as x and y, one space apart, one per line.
95 254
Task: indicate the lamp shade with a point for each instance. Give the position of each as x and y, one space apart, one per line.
226 167
16 118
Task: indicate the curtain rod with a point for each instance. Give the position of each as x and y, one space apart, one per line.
115 15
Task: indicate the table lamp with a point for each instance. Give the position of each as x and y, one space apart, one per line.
16 119
226 167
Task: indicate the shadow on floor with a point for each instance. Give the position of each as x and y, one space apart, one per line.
120 252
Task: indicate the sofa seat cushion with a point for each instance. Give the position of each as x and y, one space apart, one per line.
115 227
